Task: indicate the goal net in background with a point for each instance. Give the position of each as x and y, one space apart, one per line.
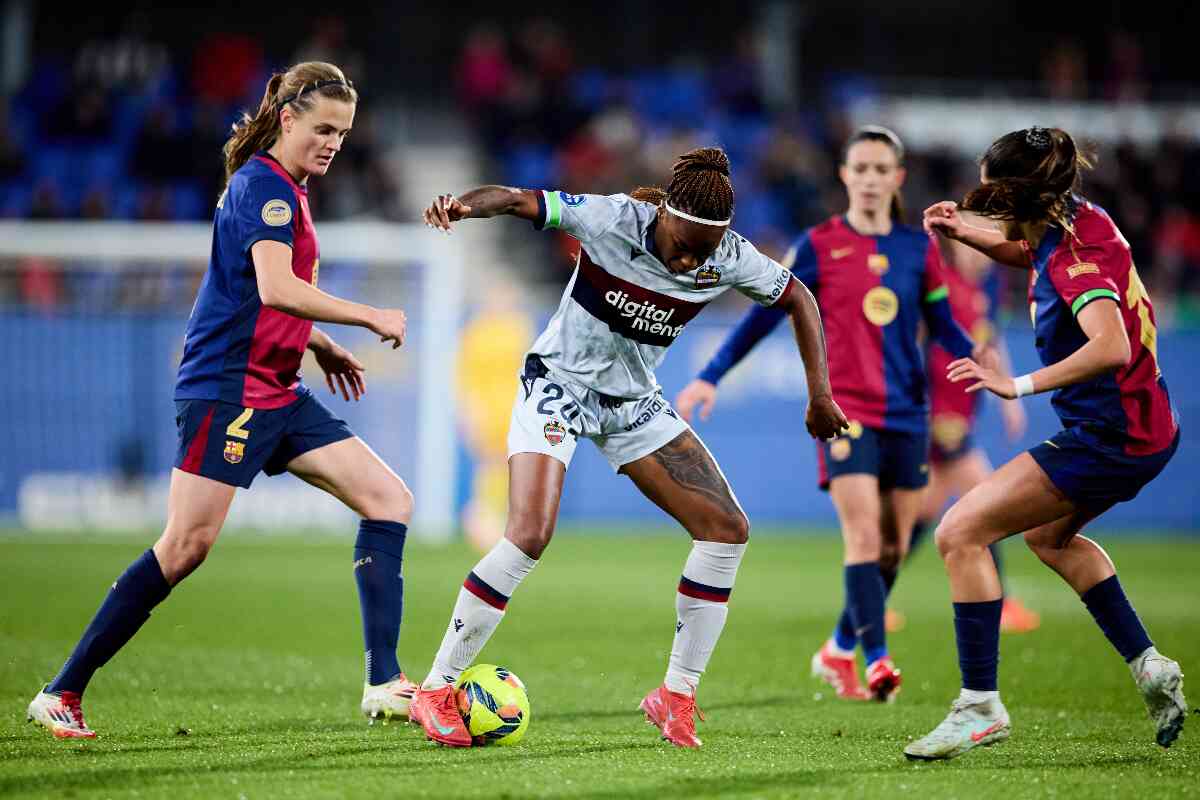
92 318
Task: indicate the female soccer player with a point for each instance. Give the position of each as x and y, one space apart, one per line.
956 464
241 405
648 263
1095 332
875 280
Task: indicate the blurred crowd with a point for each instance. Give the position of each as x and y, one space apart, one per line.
128 129
548 121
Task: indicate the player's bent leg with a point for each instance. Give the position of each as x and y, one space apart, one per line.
1015 498
349 470
535 488
196 508
1084 565
682 478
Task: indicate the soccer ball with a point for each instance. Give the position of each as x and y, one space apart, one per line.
493 703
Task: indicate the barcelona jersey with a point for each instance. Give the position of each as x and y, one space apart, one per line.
1128 410
873 292
973 306
236 349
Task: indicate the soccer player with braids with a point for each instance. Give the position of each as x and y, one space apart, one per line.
876 280
1095 332
648 263
241 406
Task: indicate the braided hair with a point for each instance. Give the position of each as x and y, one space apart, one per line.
699 185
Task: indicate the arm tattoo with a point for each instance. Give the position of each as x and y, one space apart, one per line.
690 466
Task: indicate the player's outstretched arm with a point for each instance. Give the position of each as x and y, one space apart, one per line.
824 419
481 203
945 218
1106 350
281 289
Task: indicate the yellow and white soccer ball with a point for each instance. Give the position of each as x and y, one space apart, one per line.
493 703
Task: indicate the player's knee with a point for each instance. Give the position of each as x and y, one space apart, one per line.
531 533
863 541
953 532
182 549
388 500
728 528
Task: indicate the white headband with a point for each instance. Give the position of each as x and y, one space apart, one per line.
690 218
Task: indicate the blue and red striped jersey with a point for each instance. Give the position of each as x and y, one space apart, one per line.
236 349
973 306
1129 408
873 292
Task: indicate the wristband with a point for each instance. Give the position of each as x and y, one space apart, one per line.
1023 385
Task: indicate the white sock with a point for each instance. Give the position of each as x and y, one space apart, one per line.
701 605
478 610
977 696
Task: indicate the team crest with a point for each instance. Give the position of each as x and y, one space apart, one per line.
839 450
572 199
708 276
234 451
877 263
555 432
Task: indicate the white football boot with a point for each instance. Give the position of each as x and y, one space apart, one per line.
61 714
388 701
1160 681
966 726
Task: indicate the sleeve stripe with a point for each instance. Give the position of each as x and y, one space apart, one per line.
940 293
553 210
1089 296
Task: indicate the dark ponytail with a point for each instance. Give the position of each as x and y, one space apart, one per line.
1031 175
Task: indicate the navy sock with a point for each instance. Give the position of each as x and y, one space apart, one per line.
920 533
843 635
977 628
126 608
865 593
1116 617
994 547
378 557
889 576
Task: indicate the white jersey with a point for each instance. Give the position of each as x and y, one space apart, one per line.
623 307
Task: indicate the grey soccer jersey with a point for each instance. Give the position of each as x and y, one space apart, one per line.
623 307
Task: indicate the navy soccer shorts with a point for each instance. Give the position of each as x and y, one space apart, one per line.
1097 477
231 444
899 460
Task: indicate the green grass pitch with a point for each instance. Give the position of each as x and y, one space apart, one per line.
246 682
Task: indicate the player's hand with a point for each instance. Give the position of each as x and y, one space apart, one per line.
944 218
390 324
697 393
445 209
966 369
824 419
340 365
1013 415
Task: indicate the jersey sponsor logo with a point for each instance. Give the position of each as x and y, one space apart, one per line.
276 213
572 199
840 252
708 276
630 310
839 449
880 306
877 263
1083 268
554 432
234 451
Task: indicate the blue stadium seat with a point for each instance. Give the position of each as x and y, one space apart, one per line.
530 165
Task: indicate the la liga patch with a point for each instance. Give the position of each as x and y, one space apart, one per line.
276 213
